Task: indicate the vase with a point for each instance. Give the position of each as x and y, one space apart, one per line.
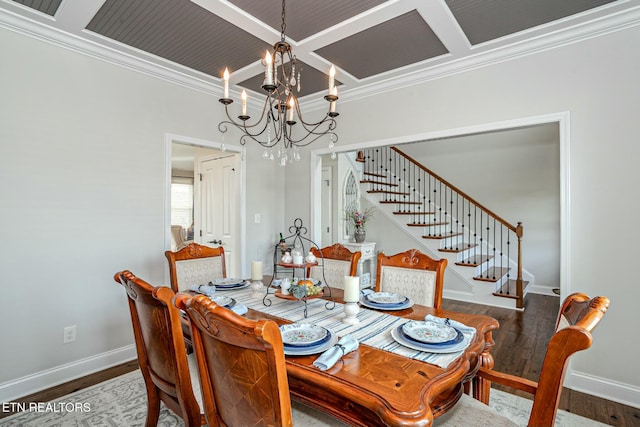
359 235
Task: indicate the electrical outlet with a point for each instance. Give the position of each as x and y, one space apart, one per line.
69 334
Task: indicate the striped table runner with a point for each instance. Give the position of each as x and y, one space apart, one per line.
374 328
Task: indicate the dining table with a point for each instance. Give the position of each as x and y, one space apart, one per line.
381 383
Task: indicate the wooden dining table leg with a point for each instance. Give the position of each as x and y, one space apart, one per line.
481 386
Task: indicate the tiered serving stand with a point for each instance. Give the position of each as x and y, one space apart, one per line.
297 230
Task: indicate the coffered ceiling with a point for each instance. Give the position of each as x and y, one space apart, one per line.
374 44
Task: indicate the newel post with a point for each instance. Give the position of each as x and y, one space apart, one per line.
519 283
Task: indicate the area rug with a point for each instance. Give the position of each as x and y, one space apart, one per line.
121 402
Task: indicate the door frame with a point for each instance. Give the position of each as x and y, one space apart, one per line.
242 208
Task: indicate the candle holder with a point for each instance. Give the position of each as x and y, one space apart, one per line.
257 289
351 310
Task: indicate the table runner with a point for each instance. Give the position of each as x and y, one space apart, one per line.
374 328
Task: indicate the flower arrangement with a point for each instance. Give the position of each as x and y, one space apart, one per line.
359 218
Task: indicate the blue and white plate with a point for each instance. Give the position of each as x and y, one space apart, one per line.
227 282
226 302
303 334
389 307
399 337
386 298
318 348
429 332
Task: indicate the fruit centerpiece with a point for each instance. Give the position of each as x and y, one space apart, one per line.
306 288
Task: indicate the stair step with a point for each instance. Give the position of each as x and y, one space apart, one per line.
430 224
369 181
508 290
492 274
401 202
442 236
400 193
459 247
474 261
379 175
413 213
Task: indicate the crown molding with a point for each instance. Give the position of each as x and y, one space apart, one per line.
480 56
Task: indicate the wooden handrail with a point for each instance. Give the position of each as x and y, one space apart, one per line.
462 193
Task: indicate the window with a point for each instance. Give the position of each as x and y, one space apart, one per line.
182 202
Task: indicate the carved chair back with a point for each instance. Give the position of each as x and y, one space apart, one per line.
334 262
161 352
241 365
413 274
195 265
578 316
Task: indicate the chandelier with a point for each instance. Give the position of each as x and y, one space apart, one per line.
280 129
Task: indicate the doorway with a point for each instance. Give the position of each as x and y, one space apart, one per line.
224 173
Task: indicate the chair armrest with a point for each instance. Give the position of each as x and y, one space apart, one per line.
508 380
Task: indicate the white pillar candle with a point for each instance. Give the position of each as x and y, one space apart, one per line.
226 83
256 270
351 288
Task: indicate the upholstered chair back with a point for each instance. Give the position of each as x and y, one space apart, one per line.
195 265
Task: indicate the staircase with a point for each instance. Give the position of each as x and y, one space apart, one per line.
483 250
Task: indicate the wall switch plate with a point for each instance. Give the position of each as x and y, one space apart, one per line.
256 218
69 334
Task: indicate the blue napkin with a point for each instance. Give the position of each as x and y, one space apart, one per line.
207 290
347 344
239 309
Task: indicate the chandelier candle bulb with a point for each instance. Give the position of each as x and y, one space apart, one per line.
268 72
291 109
256 270
332 75
351 288
244 102
226 83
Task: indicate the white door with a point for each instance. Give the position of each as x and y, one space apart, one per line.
218 208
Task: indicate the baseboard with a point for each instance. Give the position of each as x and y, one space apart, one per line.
542 290
625 394
42 380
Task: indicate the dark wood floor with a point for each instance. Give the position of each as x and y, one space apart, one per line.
520 344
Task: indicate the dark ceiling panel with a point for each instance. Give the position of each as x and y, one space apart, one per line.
305 17
486 20
50 7
401 41
312 81
180 31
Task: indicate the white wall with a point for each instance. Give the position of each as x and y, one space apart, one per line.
596 82
82 184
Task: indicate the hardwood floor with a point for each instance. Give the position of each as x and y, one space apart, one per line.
520 344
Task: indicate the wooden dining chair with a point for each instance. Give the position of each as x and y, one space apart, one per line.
334 262
195 265
165 367
413 274
242 369
577 318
